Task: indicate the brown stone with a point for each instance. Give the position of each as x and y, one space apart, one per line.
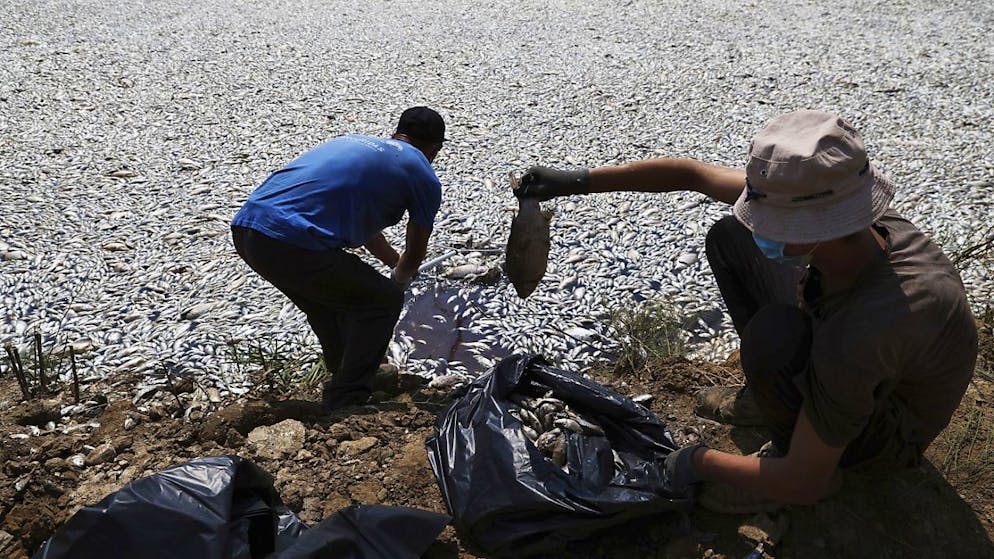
386 379
368 492
407 382
341 432
354 448
412 459
279 440
334 503
101 454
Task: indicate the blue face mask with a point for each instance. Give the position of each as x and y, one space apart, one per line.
774 251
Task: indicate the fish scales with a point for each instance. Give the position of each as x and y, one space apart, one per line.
528 244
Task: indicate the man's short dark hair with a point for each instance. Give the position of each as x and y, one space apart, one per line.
422 123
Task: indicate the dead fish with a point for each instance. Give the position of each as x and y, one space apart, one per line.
465 271
528 244
552 444
530 433
579 425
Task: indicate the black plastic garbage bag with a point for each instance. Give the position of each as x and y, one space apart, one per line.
369 532
508 500
225 507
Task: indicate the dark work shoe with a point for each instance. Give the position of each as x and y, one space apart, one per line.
387 379
332 400
732 405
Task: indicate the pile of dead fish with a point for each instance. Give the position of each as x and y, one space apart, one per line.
130 139
546 420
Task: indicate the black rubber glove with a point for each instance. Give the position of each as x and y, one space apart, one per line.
545 183
680 467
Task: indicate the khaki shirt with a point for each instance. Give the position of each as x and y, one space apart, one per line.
904 331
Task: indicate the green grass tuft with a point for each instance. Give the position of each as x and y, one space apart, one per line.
647 333
276 366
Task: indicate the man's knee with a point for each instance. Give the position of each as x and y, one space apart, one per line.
721 234
776 340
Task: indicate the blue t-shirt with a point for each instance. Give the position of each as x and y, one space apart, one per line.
343 192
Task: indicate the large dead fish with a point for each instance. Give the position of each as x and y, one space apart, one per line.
528 244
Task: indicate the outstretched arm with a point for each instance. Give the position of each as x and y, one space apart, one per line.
651 175
801 477
667 175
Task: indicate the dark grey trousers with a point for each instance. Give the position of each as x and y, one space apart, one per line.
762 299
351 307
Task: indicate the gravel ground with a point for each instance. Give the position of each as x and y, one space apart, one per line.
132 132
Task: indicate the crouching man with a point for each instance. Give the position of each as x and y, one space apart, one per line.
295 227
857 341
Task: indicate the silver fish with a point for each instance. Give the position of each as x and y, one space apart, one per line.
528 244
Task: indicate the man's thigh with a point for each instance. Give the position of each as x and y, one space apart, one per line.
335 279
747 279
880 445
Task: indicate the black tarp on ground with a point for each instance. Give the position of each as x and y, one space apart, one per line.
225 507
507 500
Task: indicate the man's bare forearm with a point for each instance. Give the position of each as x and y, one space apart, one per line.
381 249
415 249
801 477
409 261
768 477
668 175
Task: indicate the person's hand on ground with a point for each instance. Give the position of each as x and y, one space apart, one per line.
680 468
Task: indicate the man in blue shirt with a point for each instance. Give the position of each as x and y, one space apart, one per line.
342 194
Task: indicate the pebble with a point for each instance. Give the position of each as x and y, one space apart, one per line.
100 454
276 441
356 447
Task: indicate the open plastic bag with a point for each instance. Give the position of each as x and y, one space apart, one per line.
225 507
508 500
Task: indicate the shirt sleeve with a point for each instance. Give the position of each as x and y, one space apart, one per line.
426 199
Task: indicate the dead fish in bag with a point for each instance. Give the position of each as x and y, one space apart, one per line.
528 244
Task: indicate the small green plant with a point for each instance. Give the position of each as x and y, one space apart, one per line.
980 249
38 371
650 332
276 365
968 443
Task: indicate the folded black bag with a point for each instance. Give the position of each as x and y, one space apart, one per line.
225 507
508 500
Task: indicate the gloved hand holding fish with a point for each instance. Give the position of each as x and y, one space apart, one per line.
545 183
528 244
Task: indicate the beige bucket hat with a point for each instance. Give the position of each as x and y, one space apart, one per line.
808 180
